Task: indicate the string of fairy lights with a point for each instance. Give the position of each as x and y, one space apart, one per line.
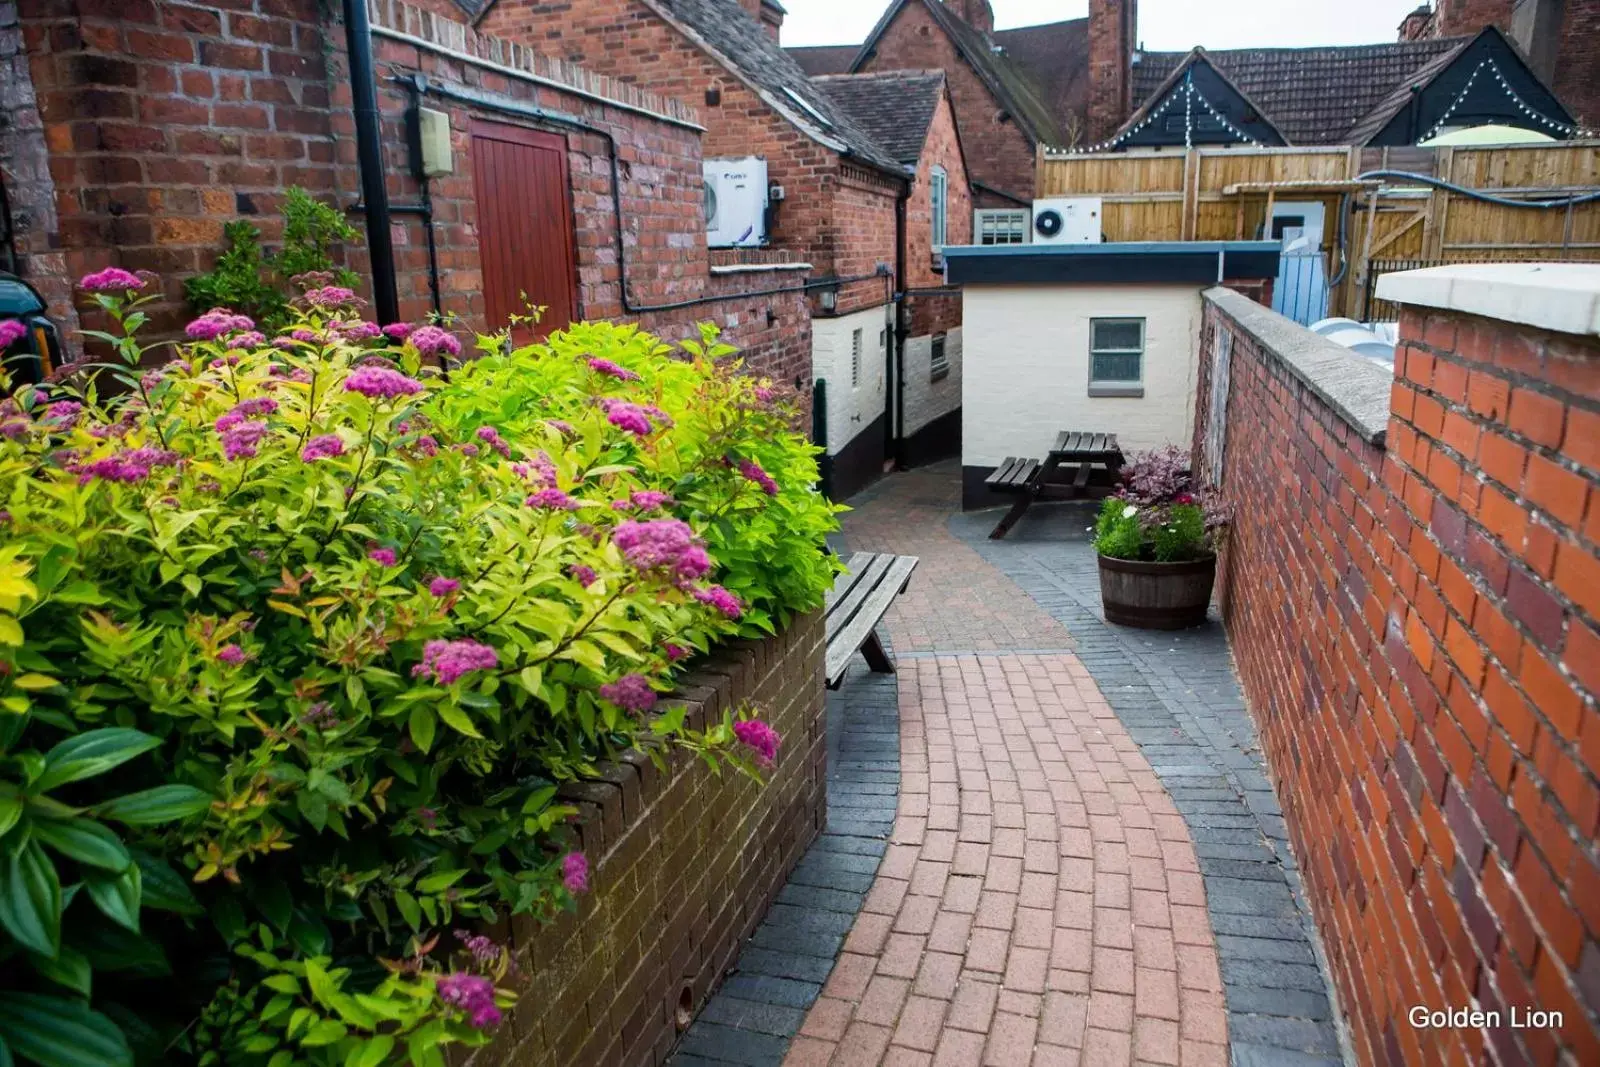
1190 96
1511 94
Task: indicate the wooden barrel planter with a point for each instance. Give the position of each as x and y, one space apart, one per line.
1156 596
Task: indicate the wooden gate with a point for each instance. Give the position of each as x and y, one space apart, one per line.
525 234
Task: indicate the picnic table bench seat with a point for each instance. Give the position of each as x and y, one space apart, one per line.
855 606
1076 459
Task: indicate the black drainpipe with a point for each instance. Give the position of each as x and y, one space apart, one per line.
896 400
369 156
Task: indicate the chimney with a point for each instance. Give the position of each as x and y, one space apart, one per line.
1463 18
1418 25
1111 40
771 16
975 13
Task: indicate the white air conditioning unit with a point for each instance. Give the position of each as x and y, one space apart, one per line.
1066 220
736 202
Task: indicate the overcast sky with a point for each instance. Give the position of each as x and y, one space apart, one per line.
1164 25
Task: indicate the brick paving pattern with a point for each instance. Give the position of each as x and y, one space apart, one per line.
1179 698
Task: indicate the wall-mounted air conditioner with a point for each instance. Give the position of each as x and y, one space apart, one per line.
1064 220
736 202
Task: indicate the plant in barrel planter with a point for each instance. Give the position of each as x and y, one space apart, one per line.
1157 540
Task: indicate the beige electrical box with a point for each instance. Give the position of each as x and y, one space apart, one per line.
434 129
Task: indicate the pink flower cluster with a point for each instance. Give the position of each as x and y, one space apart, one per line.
381 383
474 995
110 280
643 500
751 470
330 296
398 331
133 465
384 556
720 599
432 341
11 331
551 499
232 655
245 409
443 587
631 692
241 439
491 437
664 545
447 661
575 872
612 370
631 418
356 330
760 738
323 446
216 323
584 575
485 951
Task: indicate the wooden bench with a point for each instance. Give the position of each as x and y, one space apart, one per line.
856 604
1020 476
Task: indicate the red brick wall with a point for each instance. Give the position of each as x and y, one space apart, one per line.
685 864
1463 18
1577 66
931 315
1415 625
998 152
1112 35
627 40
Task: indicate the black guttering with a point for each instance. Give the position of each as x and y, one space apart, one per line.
1195 262
369 158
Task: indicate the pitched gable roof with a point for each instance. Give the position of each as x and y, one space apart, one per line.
895 107
736 38
1057 55
1213 96
1314 95
1016 89
824 58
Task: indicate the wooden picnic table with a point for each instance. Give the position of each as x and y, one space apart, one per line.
1077 463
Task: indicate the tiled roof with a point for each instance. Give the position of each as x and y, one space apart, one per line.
824 58
1388 107
894 106
1057 55
1314 95
743 41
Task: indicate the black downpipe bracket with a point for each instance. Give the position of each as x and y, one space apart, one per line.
369 155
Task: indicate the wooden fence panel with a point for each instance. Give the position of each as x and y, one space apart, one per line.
1194 195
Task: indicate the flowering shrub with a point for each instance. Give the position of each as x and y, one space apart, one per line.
297 639
1158 513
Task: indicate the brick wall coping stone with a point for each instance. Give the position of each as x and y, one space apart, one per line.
1564 297
1353 386
424 29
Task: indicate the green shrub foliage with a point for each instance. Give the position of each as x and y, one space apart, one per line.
1158 514
298 637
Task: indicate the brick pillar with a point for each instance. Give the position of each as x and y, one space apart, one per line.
975 13
1418 25
1463 18
1111 41
771 16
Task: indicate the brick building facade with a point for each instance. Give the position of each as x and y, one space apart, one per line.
161 121
1410 587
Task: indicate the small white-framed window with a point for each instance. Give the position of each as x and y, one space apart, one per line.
855 358
1116 357
1002 226
938 361
938 189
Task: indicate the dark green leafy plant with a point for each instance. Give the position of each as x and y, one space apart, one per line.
1157 513
260 284
297 641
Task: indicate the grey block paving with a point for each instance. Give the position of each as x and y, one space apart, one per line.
1178 697
762 1003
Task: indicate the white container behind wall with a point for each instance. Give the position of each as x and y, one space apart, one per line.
1025 373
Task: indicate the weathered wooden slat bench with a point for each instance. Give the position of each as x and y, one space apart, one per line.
1075 463
856 605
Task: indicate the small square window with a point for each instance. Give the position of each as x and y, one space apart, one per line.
938 363
1116 357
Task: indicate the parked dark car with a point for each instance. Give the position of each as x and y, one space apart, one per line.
34 355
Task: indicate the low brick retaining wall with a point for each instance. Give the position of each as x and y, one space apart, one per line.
685 864
1411 589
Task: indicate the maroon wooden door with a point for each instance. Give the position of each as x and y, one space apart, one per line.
524 225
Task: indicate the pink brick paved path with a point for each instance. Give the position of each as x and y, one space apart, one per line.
1040 901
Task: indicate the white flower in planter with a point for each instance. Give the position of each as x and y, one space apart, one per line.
1129 512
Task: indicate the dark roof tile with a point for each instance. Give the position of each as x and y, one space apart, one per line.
824 58
894 106
1313 95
